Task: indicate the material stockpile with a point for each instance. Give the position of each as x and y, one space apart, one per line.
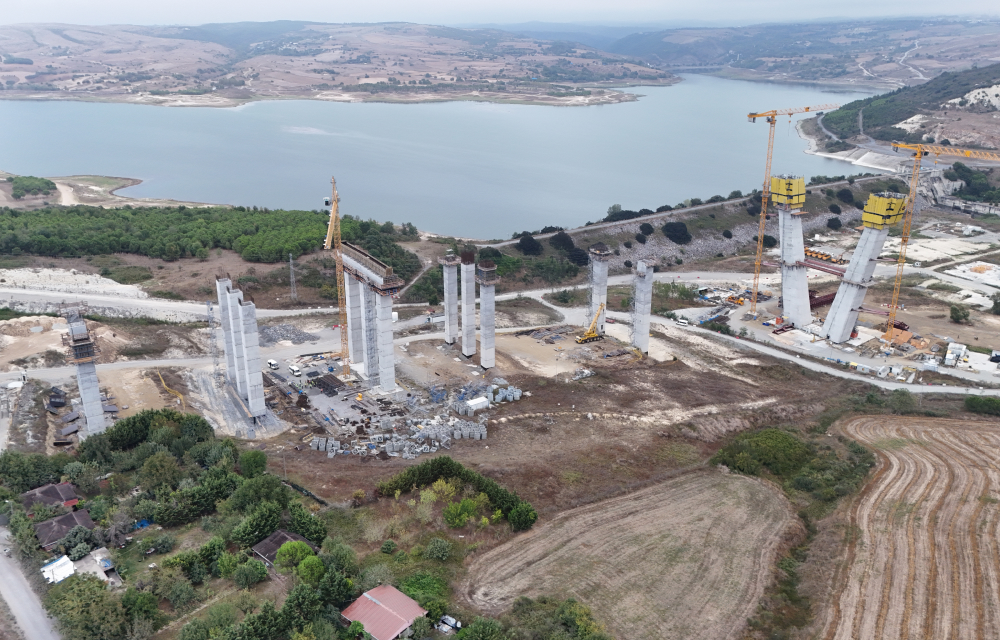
510 394
272 334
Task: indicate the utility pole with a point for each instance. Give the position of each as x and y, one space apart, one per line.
291 271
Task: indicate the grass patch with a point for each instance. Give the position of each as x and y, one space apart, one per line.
944 286
168 295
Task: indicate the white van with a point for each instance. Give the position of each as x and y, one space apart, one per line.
295 371
681 322
272 364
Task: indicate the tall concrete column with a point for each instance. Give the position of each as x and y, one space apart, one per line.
599 256
449 265
642 301
355 328
843 316
468 306
239 376
254 380
794 277
486 276
370 341
222 286
386 356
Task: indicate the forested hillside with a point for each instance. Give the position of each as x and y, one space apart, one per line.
172 233
882 112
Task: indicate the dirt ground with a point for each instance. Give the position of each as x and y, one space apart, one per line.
922 559
660 563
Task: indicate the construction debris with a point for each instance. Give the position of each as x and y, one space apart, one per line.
272 334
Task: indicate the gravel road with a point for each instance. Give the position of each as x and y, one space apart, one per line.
23 602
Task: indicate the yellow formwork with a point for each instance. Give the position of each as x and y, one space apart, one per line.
788 191
883 209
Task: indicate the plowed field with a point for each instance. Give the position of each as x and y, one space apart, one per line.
685 559
923 558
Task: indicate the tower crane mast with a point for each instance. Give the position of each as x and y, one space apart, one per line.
772 119
333 243
919 151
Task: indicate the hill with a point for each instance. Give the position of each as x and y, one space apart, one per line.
882 113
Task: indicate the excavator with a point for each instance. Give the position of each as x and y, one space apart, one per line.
591 335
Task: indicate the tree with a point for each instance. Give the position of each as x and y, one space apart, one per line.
141 604
262 522
292 553
646 229
640 238
727 234
227 564
578 256
249 573
85 609
305 524
846 196
160 470
989 405
78 536
253 492
834 223
311 570
995 309
438 549
181 594
421 628
835 208
677 232
769 241
252 463
78 551
902 402
529 246
522 517
485 629
266 624
335 588
301 606
562 241
959 315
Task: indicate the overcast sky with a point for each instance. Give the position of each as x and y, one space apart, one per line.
673 12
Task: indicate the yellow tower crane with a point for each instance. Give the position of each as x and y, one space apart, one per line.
919 151
772 119
332 243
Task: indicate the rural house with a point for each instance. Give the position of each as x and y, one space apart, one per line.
52 531
51 495
267 549
385 611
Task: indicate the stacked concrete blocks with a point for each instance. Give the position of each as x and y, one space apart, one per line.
642 305
600 254
468 304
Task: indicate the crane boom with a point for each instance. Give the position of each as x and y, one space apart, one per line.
333 243
772 118
919 151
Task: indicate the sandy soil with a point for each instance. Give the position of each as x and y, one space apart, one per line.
922 558
661 563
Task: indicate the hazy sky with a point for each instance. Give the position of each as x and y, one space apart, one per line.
467 11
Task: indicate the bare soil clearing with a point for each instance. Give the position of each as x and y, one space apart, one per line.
661 563
922 558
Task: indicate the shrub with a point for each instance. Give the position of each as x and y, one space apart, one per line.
640 238
79 551
835 208
628 264
769 241
457 514
249 573
375 575
261 523
562 241
779 451
522 517
834 223
311 570
388 547
846 196
252 463
646 229
529 246
989 405
959 314
181 594
163 543
292 553
578 256
227 564
727 234
677 232
438 549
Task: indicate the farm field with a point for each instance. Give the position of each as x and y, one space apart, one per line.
923 559
660 563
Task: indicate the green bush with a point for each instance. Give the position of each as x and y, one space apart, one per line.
292 553
779 451
311 571
252 463
727 234
677 232
646 229
846 196
249 573
388 547
438 549
457 514
834 223
529 246
522 517
989 405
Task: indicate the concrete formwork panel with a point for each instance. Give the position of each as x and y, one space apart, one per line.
239 375
371 334
598 293
469 309
386 356
487 326
222 287
450 303
643 301
794 277
355 324
843 316
90 397
254 383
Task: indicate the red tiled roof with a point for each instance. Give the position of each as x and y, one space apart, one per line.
385 611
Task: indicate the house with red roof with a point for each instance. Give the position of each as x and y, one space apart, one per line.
385 612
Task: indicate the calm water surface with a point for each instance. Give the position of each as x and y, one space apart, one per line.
460 168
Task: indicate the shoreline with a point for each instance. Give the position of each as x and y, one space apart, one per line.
858 157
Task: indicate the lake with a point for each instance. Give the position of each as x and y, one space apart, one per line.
468 169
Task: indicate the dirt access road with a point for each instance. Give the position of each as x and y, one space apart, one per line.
23 602
923 559
660 563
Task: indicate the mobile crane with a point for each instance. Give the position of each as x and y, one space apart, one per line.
591 335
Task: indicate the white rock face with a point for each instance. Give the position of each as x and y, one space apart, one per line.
986 96
66 280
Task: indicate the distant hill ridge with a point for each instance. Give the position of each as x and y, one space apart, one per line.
882 112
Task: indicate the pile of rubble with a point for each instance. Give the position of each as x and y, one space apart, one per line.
419 437
272 334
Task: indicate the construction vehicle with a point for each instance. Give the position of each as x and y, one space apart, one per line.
333 243
591 335
733 299
772 119
919 151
